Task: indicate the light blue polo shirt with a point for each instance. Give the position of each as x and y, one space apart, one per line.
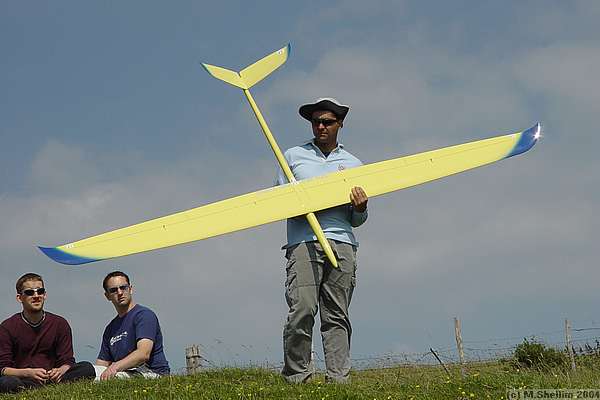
308 161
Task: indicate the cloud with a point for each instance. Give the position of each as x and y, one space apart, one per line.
410 99
496 246
480 242
59 167
565 75
186 277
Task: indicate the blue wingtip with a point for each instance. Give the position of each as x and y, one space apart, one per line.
63 257
527 140
206 69
289 49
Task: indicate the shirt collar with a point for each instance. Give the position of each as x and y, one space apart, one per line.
311 142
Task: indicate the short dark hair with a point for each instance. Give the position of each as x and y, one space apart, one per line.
30 276
112 275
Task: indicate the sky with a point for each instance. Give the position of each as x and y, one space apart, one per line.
108 119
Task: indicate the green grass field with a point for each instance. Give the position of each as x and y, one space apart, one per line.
483 381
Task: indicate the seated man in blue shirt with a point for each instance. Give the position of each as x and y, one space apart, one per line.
132 343
312 282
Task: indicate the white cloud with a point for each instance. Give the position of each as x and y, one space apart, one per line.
492 245
566 75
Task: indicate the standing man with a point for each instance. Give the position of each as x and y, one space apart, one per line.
132 343
312 282
36 346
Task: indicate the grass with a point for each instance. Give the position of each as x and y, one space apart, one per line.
483 381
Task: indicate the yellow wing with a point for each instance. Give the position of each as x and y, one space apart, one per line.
291 200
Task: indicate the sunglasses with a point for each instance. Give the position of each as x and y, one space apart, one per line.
31 292
325 122
114 289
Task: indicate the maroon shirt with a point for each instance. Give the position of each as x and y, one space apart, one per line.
48 346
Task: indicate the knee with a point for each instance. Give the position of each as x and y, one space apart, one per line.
302 314
87 369
80 370
300 321
10 384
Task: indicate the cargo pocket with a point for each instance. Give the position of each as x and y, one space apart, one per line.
345 275
291 281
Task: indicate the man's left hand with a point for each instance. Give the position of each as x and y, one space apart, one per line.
56 374
359 199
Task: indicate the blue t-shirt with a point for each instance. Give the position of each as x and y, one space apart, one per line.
122 334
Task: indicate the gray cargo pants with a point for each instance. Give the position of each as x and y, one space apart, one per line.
312 283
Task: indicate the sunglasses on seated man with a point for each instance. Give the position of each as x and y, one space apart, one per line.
114 289
30 292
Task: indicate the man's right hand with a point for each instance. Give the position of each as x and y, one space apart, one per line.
37 374
109 372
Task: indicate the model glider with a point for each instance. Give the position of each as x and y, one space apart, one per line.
244 80
297 198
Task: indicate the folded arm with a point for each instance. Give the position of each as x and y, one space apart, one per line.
134 359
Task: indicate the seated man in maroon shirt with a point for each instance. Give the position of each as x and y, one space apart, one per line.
36 346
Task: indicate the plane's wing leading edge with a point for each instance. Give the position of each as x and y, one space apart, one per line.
293 199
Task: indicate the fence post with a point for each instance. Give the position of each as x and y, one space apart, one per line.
459 346
569 346
192 359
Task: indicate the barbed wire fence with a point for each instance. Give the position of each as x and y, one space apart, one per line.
218 354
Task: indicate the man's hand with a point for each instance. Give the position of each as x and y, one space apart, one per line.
56 374
37 374
109 372
359 199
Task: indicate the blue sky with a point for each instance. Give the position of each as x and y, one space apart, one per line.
108 119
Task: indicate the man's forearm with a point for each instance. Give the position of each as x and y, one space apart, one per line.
18 372
103 363
65 367
133 359
358 218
